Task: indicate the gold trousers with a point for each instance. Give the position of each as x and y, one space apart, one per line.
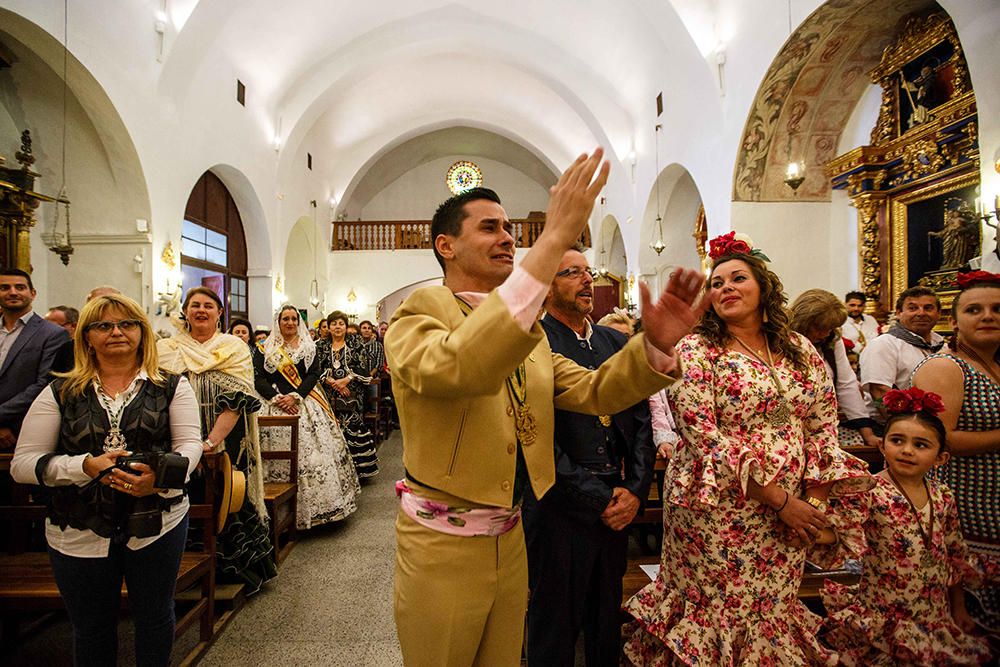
459 601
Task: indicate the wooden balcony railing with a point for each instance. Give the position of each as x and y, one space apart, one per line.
416 234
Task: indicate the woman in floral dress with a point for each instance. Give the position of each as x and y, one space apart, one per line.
908 608
742 495
286 372
967 376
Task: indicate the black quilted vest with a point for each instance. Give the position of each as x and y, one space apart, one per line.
146 426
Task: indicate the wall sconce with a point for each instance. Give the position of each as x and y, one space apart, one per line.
986 215
720 66
795 174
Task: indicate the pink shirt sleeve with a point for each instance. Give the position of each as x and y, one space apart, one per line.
523 294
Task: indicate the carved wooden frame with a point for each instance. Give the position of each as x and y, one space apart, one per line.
898 226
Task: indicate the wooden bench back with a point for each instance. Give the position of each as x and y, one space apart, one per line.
292 453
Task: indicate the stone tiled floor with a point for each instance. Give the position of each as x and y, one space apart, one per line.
332 601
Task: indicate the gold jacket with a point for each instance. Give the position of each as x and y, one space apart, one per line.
449 375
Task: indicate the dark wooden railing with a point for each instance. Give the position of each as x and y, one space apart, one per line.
416 234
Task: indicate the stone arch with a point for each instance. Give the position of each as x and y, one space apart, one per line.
680 203
809 92
609 247
104 180
305 258
430 142
259 250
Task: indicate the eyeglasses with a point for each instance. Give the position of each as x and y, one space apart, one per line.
105 327
575 272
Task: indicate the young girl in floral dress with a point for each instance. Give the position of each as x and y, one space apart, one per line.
909 607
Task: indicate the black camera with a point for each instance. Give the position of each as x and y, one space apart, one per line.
170 468
146 516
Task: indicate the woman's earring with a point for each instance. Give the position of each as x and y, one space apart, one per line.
765 317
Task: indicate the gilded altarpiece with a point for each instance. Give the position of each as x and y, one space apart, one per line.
914 186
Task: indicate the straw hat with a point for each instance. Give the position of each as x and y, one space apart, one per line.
234 490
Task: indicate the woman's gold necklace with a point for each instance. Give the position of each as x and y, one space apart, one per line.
778 415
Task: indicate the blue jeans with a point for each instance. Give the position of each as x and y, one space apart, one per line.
91 589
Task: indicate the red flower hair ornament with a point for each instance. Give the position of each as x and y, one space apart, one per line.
971 278
733 244
897 401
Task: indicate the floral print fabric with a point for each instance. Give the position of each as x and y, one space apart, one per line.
899 613
727 592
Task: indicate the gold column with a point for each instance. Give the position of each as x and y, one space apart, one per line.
870 269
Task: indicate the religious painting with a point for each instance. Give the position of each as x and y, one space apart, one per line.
935 232
924 83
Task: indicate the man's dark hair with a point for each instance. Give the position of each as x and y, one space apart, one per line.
10 271
860 296
915 292
71 314
449 215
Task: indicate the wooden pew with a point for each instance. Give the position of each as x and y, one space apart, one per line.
281 498
648 524
635 579
28 586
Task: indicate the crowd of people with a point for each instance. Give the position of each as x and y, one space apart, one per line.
527 458
84 390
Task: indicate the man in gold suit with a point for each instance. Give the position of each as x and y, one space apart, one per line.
476 384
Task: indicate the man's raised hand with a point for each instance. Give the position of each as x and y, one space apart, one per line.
571 199
678 309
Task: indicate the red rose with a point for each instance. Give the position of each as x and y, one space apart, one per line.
970 278
740 247
848 344
932 403
717 246
913 399
896 401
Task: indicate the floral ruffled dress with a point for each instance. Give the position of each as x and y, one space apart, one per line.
727 591
899 613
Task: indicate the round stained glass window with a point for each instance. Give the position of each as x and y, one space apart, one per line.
462 176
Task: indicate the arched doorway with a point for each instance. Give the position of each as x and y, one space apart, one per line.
611 265
213 245
681 226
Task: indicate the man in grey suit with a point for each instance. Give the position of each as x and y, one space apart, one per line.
28 346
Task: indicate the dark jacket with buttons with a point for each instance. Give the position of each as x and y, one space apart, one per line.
592 459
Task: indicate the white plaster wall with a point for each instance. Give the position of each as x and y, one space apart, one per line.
373 275
798 238
858 130
416 194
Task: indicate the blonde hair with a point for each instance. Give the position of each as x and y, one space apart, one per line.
615 317
85 361
817 308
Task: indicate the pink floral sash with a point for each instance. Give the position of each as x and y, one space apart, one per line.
460 521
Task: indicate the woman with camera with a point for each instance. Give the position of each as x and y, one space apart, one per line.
93 437
219 368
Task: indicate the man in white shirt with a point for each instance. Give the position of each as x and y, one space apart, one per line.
858 328
888 361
